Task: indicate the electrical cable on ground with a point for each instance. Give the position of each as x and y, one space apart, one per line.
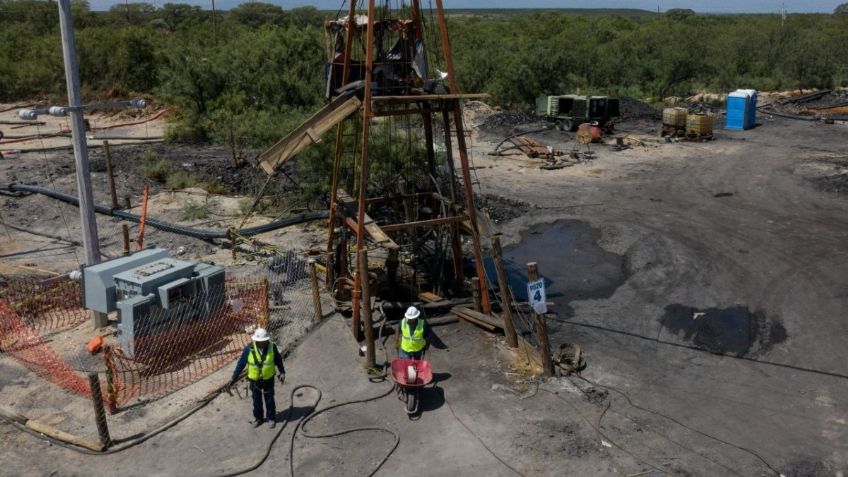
695 348
301 425
609 408
499 459
601 433
697 431
267 453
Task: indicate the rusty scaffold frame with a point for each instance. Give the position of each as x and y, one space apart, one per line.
355 217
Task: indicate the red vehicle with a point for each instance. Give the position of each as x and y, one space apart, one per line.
410 375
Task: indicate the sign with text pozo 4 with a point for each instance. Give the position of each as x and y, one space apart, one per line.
536 296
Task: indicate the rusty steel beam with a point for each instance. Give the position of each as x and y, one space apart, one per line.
428 97
331 221
463 154
423 223
377 200
363 168
404 112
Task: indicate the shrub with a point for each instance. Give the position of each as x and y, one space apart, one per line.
181 180
154 168
195 212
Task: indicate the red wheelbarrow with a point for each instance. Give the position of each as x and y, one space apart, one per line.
410 375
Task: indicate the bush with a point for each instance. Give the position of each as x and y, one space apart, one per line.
214 187
181 180
194 212
154 168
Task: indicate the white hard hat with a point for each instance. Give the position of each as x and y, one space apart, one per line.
412 313
260 335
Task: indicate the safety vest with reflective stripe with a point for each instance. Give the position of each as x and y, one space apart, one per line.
412 342
264 370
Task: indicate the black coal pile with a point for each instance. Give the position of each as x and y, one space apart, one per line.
836 180
632 108
832 99
507 120
501 209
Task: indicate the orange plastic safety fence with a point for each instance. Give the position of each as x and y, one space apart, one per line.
45 304
207 334
163 362
23 342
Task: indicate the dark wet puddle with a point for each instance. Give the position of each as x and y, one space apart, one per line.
735 330
575 267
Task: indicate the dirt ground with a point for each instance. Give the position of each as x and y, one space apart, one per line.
704 281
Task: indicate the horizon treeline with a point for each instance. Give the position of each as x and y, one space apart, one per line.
257 69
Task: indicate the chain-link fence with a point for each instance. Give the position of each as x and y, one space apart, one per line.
174 347
203 334
30 308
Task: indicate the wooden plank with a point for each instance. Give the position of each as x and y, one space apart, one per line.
63 436
442 320
429 297
309 132
478 323
488 319
350 207
477 318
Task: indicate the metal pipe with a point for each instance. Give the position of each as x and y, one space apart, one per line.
167 226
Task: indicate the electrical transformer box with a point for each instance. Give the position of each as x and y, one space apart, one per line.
152 292
146 279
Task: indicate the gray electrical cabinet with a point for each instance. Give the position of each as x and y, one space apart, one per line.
98 282
152 293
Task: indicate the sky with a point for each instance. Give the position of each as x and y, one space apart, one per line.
706 6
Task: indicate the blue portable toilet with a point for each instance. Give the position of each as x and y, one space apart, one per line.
741 109
752 107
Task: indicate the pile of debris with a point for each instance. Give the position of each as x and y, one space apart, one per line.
546 156
520 144
632 108
825 104
507 121
501 209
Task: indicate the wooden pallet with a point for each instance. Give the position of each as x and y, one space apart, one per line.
698 137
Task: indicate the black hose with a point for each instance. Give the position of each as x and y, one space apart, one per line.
166 226
301 425
279 432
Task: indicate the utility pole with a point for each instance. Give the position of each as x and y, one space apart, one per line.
90 242
75 110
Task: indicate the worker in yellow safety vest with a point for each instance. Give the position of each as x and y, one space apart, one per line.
413 335
262 359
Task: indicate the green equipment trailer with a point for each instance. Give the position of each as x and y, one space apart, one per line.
570 111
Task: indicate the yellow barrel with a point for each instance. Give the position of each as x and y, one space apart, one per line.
699 124
675 117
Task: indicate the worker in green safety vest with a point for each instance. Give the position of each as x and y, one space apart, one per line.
262 359
413 335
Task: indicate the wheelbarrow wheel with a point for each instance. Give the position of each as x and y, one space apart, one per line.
411 401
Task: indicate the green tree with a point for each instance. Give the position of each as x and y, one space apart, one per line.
256 14
679 13
841 9
175 15
131 13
